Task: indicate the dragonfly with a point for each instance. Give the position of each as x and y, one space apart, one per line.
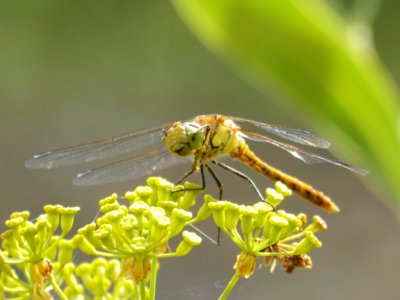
204 139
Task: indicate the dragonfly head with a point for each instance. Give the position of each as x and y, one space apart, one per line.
184 139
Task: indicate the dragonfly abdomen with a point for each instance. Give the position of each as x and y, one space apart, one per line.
303 189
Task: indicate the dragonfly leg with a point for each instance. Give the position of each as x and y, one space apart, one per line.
203 186
217 181
203 178
186 176
244 176
241 175
203 181
221 189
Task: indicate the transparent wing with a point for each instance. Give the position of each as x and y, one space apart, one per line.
305 156
139 166
296 135
100 149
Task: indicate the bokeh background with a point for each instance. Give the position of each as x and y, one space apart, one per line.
74 71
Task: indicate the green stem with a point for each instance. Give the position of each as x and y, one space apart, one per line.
293 237
57 289
229 287
135 295
153 277
45 249
142 290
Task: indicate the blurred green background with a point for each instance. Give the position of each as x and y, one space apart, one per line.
74 71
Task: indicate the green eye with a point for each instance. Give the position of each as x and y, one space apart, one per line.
184 139
196 139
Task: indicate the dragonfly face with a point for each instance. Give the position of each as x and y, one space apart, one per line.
184 139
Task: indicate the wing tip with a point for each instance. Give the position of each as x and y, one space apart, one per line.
37 162
81 179
363 172
30 164
325 144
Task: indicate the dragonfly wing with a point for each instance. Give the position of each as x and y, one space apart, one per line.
100 149
305 156
296 135
139 166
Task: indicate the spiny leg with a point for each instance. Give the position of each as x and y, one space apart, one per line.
203 186
203 180
240 174
188 174
244 176
217 181
221 189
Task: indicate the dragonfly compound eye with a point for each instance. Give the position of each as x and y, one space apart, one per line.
184 139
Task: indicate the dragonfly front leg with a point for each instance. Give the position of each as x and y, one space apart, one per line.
187 175
217 181
203 186
221 189
191 172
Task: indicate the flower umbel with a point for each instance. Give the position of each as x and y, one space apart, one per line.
138 233
129 239
258 230
33 248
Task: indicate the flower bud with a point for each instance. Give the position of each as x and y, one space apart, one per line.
189 197
109 207
178 220
317 224
273 197
104 234
282 188
277 225
28 233
232 215
307 244
108 200
247 217
66 250
67 218
53 216
293 224
263 210
168 206
190 239
205 211
218 212
83 244
21 214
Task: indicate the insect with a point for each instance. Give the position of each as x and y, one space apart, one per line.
204 138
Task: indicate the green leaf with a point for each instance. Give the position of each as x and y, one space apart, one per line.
322 67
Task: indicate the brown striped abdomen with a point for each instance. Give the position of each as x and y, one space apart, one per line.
303 189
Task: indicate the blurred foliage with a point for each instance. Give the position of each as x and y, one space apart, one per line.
322 63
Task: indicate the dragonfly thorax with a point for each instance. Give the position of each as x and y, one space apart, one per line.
184 139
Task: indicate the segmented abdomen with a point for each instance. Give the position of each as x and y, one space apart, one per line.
303 189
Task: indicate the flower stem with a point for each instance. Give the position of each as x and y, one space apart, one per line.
57 289
142 290
229 287
153 277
